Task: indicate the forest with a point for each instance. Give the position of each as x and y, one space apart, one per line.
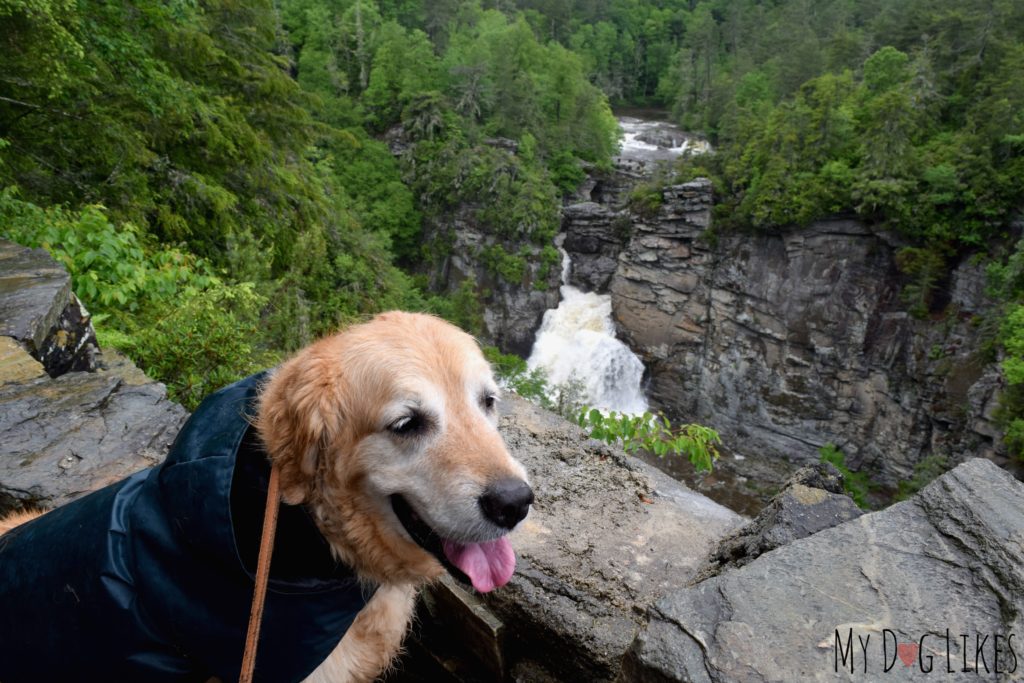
227 180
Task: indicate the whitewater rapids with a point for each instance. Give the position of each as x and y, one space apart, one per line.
576 343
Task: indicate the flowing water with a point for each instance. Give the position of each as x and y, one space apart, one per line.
652 142
576 344
577 349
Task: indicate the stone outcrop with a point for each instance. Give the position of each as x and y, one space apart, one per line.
65 436
785 342
812 500
39 310
512 310
65 431
606 536
595 235
948 563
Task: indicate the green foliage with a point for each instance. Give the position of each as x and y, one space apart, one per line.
646 199
509 267
569 397
654 433
1013 342
513 373
1011 408
549 258
111 267
1006 284
566 173
908 114
462 307
856 484
1014 438
233 144
924 268
925 472
165 308
207 340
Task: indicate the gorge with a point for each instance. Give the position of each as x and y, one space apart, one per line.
785 341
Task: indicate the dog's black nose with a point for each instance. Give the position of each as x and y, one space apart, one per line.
506 502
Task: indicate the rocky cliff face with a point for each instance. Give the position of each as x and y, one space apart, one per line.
512 310
789 341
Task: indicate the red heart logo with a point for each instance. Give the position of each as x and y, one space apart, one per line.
907 652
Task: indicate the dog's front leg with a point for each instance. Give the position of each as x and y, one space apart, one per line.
373 640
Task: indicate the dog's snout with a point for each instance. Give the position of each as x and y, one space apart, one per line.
506 502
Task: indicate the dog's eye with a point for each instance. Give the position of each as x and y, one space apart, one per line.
489 401
409 425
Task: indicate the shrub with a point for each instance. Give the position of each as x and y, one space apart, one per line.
924 472
654 433
513 373
166 309
209 339
856 484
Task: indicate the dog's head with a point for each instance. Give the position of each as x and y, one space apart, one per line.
387 431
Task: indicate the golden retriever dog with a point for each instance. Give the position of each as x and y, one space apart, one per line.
385 434
388 432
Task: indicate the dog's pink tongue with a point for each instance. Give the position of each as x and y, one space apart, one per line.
488 565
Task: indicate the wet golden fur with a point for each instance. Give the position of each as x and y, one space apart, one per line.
16 519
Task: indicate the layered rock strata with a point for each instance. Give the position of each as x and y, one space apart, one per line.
788 341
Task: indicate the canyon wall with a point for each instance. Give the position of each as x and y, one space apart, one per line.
785 342
512 311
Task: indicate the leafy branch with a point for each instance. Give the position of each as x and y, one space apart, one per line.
653 433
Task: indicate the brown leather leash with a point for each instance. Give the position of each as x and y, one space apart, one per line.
262 576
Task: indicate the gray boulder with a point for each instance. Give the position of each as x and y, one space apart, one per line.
606 537
594 236
39 310
911 582
78 432
811 500
64 433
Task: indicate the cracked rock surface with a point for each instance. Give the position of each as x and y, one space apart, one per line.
951 558
811 500
787 340
71 420
78 432
40 312
606 537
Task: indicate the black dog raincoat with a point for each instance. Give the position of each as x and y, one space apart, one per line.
151 579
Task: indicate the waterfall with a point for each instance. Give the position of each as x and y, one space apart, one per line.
576 344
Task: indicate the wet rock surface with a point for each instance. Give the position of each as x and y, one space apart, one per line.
40 312
607 536
78 432
951 558
595 236
34 289
811 500
65 431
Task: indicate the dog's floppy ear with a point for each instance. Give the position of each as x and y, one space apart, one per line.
300 413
